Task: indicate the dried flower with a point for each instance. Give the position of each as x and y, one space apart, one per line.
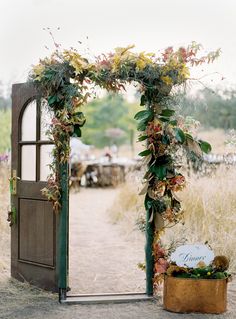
220 263
173 270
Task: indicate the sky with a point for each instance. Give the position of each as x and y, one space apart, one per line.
102 25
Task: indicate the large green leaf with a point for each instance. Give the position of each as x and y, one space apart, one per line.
143 100
205 146
180 135
142 138
52 99
159 170
145 153
77 131
142 125
145 115
164 118
167 112
165 139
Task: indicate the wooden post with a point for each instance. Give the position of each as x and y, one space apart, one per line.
62 264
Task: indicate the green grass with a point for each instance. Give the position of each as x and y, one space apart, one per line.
5 130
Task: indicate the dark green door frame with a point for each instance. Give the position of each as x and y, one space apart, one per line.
63 240
63 232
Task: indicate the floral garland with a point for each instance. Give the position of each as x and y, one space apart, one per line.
66 80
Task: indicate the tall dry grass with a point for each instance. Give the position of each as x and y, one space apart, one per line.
210 212
127 208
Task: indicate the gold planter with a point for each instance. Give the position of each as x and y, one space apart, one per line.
186 295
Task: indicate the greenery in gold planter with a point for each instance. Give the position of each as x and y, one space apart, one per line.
216 270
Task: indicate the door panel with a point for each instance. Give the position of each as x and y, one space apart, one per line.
34 235
36 222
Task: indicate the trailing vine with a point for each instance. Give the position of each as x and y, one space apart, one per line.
66 80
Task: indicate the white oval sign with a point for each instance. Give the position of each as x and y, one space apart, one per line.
191 255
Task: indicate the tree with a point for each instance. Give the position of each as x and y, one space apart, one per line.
216 110
110 120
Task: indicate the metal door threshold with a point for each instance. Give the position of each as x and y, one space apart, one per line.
106 298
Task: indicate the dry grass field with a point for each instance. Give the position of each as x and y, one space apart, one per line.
210 211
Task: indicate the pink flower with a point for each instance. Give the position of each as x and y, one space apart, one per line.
161 266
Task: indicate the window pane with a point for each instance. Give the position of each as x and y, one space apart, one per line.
28 162
46 118
45 160
28 124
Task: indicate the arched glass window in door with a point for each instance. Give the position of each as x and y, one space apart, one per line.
35 144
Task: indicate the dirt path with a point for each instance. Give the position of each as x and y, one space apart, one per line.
108 264
102 257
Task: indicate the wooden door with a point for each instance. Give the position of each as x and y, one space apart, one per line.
34 234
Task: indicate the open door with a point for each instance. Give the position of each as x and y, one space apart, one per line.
39 237
34 232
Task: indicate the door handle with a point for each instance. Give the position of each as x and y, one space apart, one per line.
13 182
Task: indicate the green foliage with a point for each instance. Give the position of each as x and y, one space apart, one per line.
145 153
202 273
216 110
145 115
110 112
160 171
205 146
5 130
179 135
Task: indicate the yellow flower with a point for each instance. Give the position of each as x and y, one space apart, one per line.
38 71
75 60
184 72
143 60
209 273
167 80
121 55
